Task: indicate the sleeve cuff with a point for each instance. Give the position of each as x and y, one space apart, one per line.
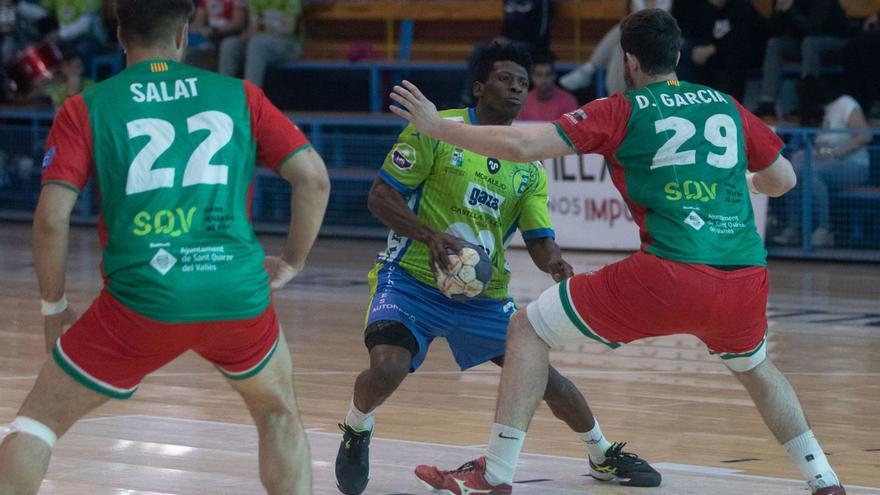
771 162
538 234
564 136
395 184
62 183
279 165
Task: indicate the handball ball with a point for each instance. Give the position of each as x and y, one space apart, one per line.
470 271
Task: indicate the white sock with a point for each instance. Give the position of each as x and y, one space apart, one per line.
358 420
596 443
805 451
505 445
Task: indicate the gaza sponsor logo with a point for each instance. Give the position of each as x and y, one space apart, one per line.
477 198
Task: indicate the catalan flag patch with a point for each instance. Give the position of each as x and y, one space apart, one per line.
159 67
673 82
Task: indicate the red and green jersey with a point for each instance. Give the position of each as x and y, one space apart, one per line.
476 198
678 154
173 149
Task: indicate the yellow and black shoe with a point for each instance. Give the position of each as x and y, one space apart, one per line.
627 468
353 460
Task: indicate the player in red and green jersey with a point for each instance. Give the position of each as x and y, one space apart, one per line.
173 151
684 157
433 195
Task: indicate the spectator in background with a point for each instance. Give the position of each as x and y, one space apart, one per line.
546 101
608 55
725 40
269 38
526 24
214 21
805 30
861 67
839 160
80 33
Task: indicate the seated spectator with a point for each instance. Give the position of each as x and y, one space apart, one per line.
80 31
526 24
608 56
861 66
726 39
214 20
805 30
269 38
546 101
839 160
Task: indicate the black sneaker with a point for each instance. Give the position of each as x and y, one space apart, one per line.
629 469
353 460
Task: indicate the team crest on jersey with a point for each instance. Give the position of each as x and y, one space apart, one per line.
48 157
493 165
403 156
576 116
522 179
457 157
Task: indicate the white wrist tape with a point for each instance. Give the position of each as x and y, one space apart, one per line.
750 180
53 308
34 428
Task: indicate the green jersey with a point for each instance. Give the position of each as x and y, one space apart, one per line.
678 154
476 198
173 149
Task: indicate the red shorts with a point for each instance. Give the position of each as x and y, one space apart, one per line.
111 348
646 296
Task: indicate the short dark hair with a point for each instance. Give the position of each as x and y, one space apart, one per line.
544 57
654 38
150 21
497 52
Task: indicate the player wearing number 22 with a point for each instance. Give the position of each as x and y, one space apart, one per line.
434 195
684 157
173 151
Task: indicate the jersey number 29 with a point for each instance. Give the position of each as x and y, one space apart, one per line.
199 170
720 131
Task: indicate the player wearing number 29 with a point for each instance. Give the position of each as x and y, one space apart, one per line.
173 149
684 157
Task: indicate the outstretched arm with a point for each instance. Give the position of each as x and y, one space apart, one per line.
513 143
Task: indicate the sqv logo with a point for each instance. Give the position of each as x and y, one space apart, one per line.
477 198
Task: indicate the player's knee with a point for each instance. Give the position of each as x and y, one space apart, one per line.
389 364
33 428
520 327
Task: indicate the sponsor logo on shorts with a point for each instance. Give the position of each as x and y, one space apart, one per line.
477 198
403 156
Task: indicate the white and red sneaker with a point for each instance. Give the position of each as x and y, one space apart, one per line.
469 479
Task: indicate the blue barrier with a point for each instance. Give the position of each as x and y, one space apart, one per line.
354 147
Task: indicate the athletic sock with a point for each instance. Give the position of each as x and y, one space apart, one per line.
358 420
596 443
806 452
505 445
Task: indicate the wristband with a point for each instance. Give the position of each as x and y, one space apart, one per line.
750 180
54 308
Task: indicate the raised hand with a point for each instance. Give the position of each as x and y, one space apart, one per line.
415 108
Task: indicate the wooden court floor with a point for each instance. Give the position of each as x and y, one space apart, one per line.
185 431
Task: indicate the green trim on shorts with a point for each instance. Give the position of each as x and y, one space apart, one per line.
745 354
91 383
576 319
564 137
244 375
